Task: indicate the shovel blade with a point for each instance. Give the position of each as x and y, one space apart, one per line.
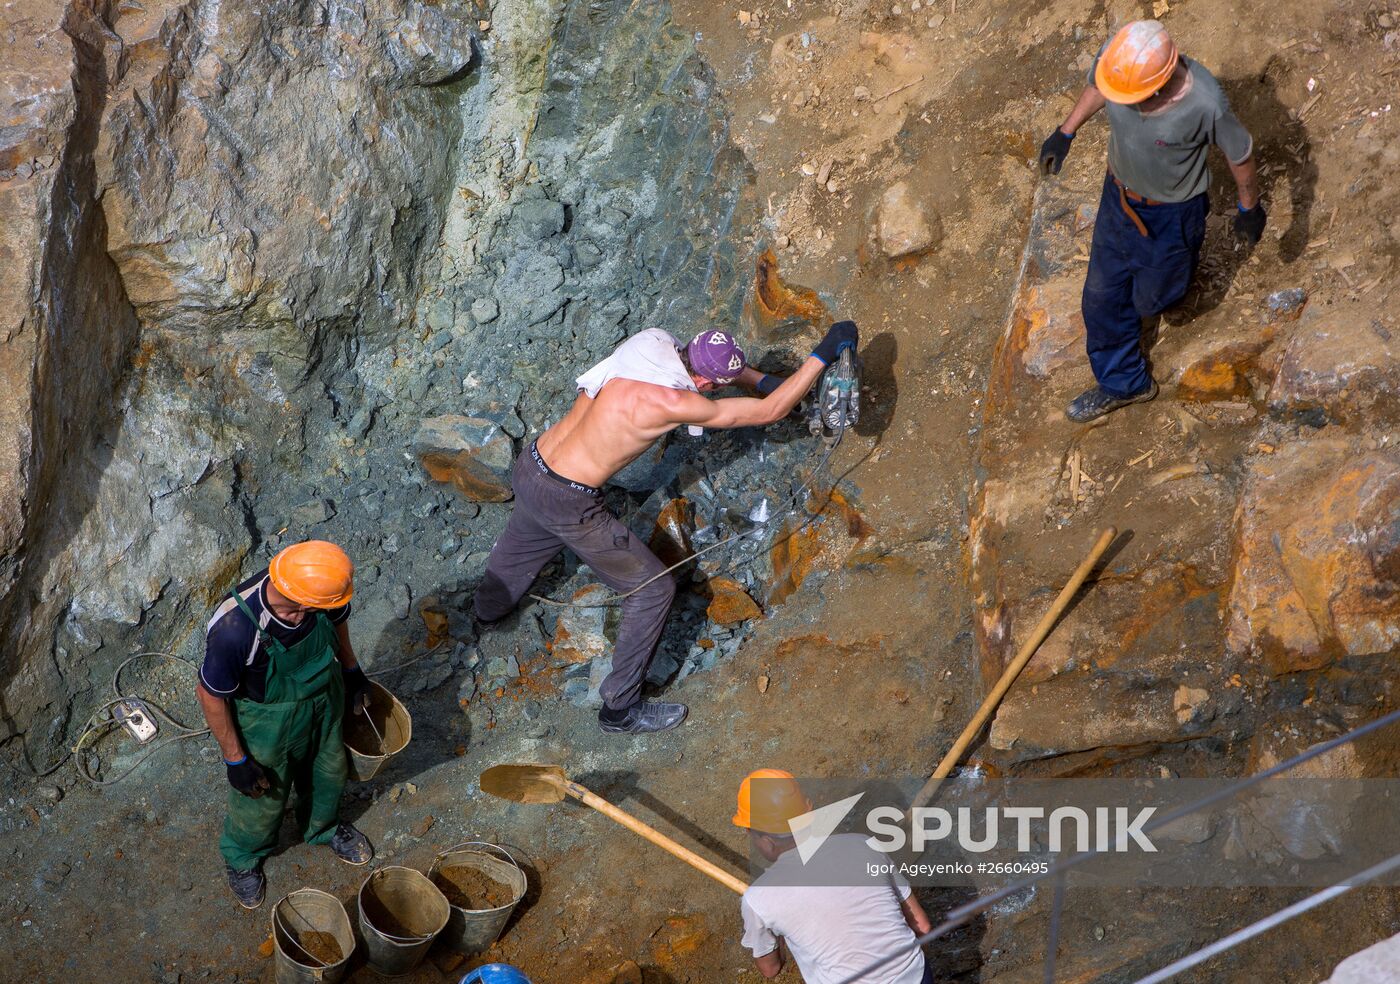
525 783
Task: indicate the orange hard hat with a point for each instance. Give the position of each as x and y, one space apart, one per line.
314 573
768 799
1136 63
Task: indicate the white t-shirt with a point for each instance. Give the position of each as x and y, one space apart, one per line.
650 356
837 928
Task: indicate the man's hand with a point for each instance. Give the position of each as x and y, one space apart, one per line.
356 690
1054 151
1249 223
247 776
838 337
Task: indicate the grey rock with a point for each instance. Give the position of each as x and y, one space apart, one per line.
587 255
577 692
485 310
1287 301
503 668
51 794
311 513
539 219
432 674
663 667
531 286
360 423
440 317
401 597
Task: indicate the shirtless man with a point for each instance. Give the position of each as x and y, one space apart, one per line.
647 387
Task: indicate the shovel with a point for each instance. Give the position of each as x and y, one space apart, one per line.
548 784
1008 677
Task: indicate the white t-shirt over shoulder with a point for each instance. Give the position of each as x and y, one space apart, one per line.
836 918
651 356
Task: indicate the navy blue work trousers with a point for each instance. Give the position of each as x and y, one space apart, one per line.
1132 276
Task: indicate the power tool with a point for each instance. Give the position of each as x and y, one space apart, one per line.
835 403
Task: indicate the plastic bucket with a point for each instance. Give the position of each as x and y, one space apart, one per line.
401 913
469 930
302 957
374 737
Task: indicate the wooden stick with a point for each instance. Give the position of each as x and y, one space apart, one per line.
901 88
656 837
1017 665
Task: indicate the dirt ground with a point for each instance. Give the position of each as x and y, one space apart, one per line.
872 664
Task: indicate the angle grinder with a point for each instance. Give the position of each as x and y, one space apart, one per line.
835 400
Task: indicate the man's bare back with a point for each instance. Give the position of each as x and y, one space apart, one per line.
600 436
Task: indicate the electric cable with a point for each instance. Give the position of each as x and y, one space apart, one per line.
184 732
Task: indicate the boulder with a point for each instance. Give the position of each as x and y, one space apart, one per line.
1047 328
580 634
485 310
538 218
471 454
1070 714
903 224
670 538
1345 369
1317 559
730 604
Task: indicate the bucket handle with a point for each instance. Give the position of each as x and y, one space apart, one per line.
391 936
277 918
495 847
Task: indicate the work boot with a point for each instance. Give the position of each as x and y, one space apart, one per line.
1093 403
642 718
351 846
248 886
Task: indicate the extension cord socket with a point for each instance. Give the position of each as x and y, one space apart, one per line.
137 718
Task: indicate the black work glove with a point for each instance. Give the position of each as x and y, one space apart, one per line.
1249 223
1054 151
838 338
247 776
356 689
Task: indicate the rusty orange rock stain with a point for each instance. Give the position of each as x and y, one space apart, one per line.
792 558
776 302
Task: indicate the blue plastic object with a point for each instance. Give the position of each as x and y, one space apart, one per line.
496 973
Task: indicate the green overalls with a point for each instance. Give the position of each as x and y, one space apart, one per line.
294 734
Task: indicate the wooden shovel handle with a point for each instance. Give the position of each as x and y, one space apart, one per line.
656 837
1023 657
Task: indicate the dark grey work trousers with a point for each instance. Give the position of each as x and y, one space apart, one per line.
551 512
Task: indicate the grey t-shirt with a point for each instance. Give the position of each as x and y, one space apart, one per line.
1162 155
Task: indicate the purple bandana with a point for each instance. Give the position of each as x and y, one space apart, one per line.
715 355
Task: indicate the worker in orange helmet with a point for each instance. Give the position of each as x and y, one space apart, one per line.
279 674
1164 112
838 911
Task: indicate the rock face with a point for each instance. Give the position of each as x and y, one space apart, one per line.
247 249
1317 573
